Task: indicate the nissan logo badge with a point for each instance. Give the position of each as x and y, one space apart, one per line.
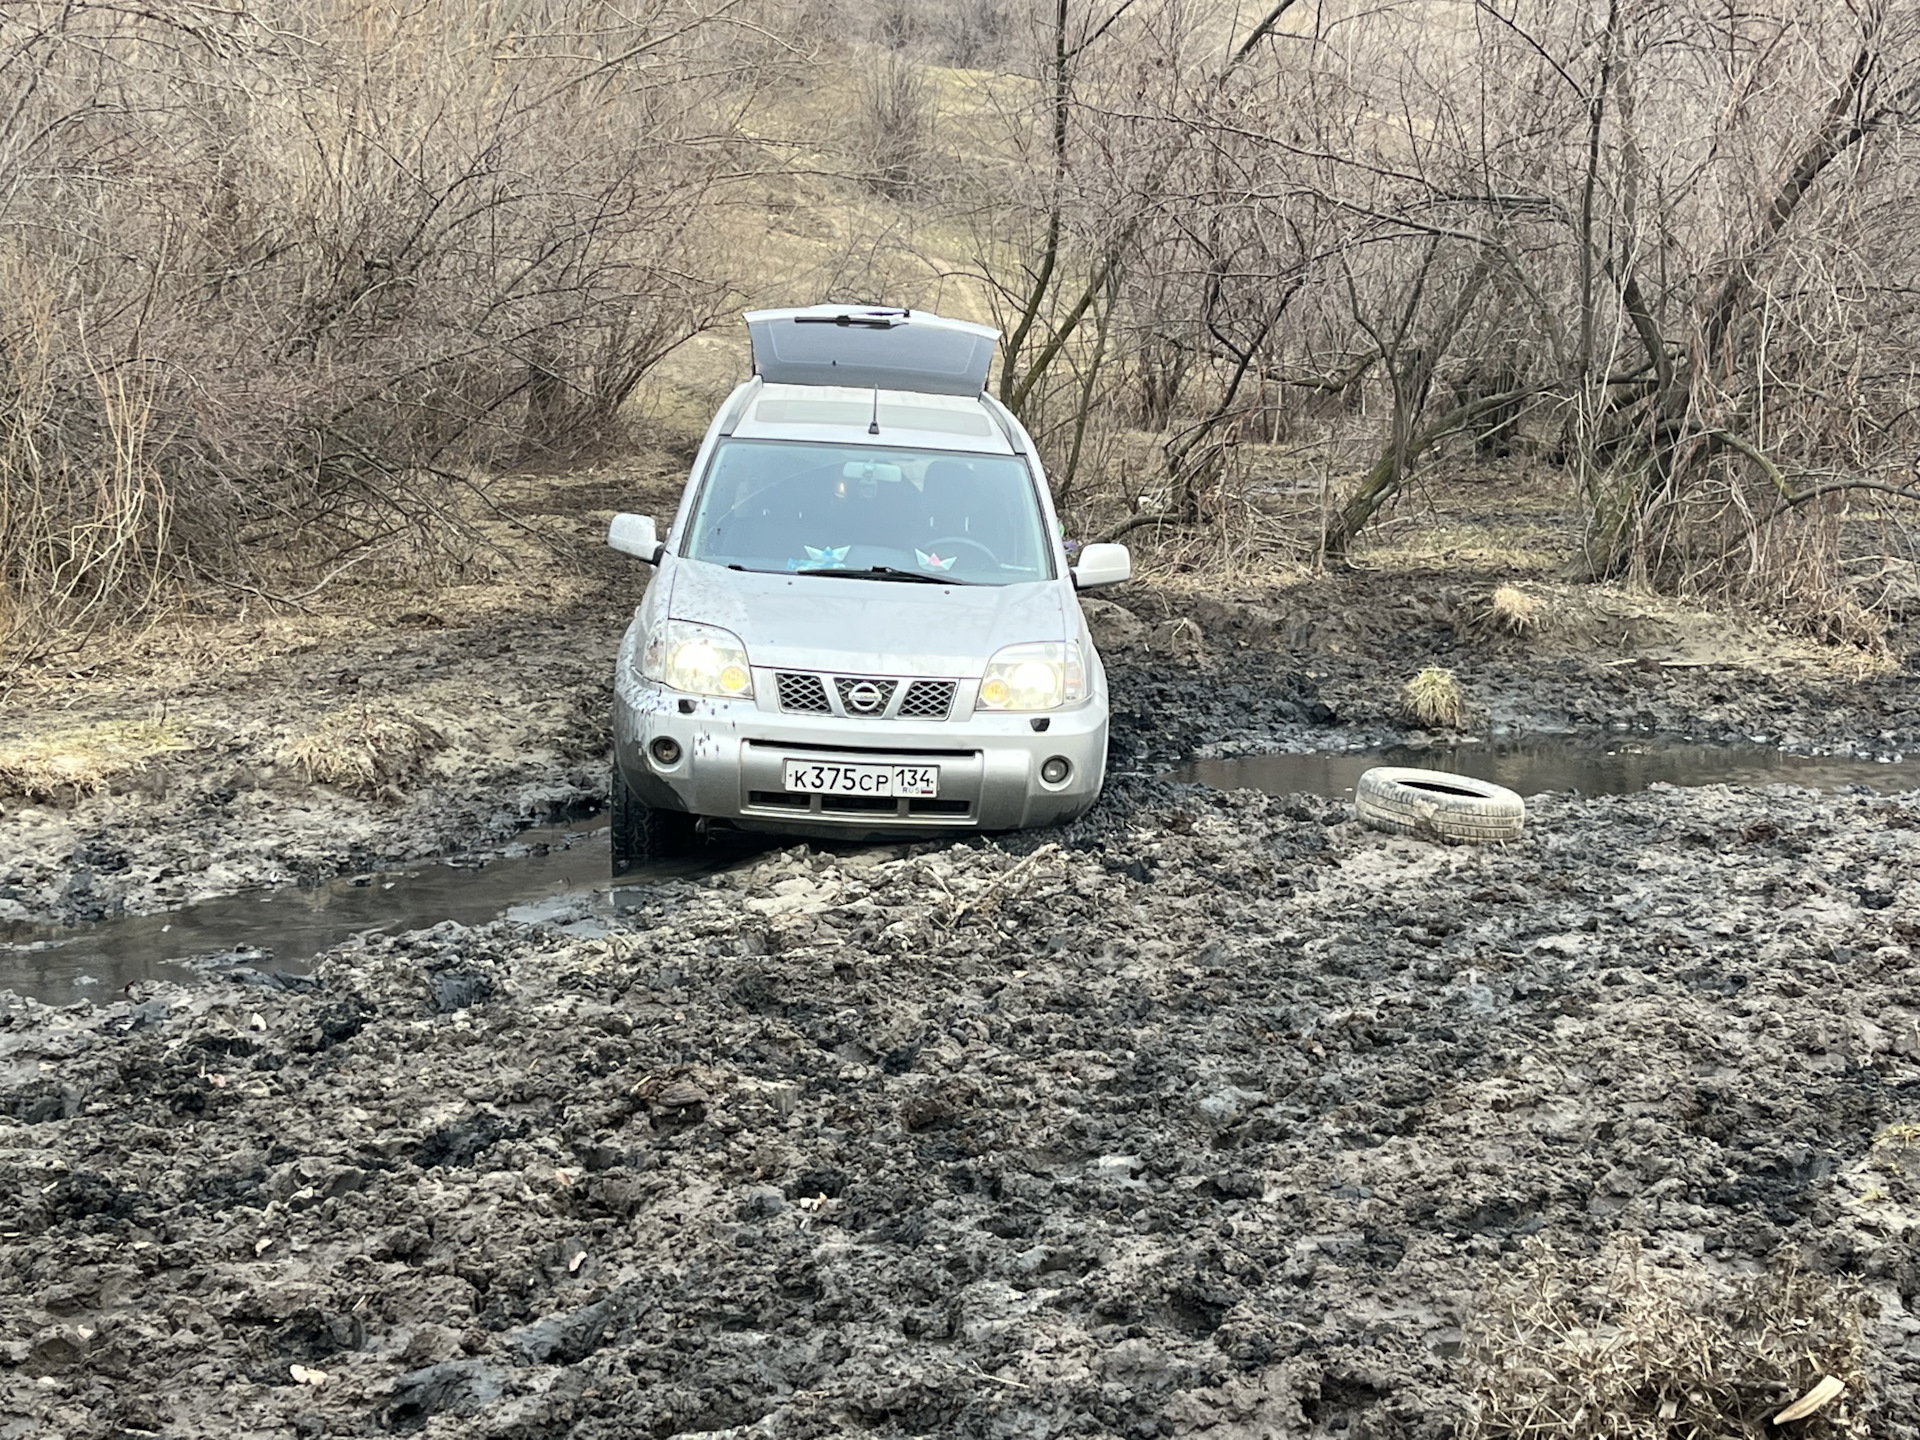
865 698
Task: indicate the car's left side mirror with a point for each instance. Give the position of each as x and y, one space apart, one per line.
1102 565
634 535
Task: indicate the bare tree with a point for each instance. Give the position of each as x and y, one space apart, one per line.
275 282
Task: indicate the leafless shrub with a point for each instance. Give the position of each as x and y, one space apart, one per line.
897 23
1639 242
1568 1348
269 307
975 32
894 137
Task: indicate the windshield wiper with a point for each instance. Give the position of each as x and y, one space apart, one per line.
882 572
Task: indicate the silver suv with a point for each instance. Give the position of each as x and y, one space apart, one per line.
861 623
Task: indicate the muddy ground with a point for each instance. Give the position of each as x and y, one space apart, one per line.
511 712
1217 1116
1212 1115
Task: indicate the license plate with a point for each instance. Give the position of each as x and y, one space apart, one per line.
919 782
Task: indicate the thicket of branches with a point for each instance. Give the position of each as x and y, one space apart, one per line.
277 280
273 276
1666 245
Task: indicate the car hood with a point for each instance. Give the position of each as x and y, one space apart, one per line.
866 627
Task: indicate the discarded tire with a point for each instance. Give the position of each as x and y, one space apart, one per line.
1437 806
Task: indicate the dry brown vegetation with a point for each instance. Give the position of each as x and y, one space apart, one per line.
287 286
1514 611
280 279
1622 1346
83 760
1433 698
373 748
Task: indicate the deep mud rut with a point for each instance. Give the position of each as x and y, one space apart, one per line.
1212 1115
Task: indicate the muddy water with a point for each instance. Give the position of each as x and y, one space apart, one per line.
553 873
1617 766
557 874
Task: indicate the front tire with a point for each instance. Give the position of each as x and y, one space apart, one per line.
642 834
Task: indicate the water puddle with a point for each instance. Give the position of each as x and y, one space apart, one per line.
1531 765
558 874
555 874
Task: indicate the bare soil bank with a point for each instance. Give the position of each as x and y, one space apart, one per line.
1217 1116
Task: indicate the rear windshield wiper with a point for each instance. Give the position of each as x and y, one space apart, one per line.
859 322
883 572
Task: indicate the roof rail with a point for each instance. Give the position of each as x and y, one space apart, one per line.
1011 428
736 405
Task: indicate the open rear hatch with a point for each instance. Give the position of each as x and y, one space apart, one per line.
864 346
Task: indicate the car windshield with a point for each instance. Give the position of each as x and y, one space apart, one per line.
797 506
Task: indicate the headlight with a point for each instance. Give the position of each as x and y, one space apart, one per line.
699 659
1041 676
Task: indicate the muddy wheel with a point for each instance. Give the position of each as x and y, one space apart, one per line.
641 833
1437 806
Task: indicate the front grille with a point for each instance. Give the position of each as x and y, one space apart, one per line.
779 800
904 812
927 700
915 752
803 693
864 699
939 807
859 805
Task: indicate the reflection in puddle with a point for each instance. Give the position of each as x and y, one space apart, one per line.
553 874
1530 765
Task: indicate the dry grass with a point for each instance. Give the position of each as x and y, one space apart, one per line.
1619 1347
1467 542
375 748
1516 612
82 761
1833 617
1433 699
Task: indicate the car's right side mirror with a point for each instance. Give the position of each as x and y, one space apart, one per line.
1102 565
634 535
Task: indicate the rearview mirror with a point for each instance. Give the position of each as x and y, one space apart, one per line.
1102 565
634 535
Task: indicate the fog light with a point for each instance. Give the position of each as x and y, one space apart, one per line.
1055 770
666 750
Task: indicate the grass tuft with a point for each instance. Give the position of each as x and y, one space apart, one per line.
371 748
1515 611
82 761
1433 699
1569 1348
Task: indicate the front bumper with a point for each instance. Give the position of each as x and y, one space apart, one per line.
731 764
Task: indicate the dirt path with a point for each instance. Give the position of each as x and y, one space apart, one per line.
1222 1117
450 727
1212 1115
